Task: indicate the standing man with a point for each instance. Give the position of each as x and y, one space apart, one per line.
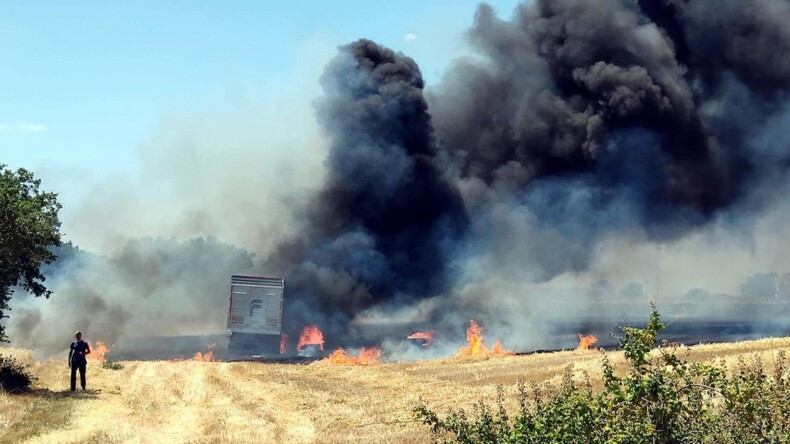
77 352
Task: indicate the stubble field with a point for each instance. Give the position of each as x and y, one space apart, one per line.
233 402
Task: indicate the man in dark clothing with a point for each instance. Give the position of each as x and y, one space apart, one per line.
77 352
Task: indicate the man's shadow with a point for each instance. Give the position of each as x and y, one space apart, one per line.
47 393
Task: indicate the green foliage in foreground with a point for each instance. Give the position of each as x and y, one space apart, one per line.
663 399
14 377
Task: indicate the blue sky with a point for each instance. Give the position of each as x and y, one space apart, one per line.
84 83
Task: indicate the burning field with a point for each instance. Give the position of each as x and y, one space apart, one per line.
429 236
322 402
585 159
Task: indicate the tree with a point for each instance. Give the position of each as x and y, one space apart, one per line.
29 229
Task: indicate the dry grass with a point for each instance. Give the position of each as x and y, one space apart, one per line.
214 402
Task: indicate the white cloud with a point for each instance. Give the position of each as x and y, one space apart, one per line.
410 37
24 127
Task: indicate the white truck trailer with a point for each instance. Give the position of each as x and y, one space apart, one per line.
255 313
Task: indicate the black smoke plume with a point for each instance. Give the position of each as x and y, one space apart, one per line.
578 120
384 224
600 116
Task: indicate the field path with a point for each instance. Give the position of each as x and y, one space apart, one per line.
180 402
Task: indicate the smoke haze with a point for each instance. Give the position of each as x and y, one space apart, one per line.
531 186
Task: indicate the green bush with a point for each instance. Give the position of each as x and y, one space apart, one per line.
663 399
14 377
112 365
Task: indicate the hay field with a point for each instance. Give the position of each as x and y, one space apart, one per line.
223 402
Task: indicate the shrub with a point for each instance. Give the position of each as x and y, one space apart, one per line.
112 365
14 377
663 399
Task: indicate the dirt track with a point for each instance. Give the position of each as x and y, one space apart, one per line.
209 402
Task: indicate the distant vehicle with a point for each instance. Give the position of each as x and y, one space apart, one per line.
255 313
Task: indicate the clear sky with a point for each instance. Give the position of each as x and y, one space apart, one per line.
83 83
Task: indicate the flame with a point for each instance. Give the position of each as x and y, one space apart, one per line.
311 335
99 352
497 349
474 340
426 336
367 356
283 343
205 357
475 346
586 342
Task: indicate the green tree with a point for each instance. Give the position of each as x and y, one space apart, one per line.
29 228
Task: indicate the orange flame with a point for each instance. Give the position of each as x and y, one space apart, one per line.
475 346
283 343
367 356
426 336
99 352
474 340
311 335
205 357
497 349
586 342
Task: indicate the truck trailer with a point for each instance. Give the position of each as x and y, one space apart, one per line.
255 310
